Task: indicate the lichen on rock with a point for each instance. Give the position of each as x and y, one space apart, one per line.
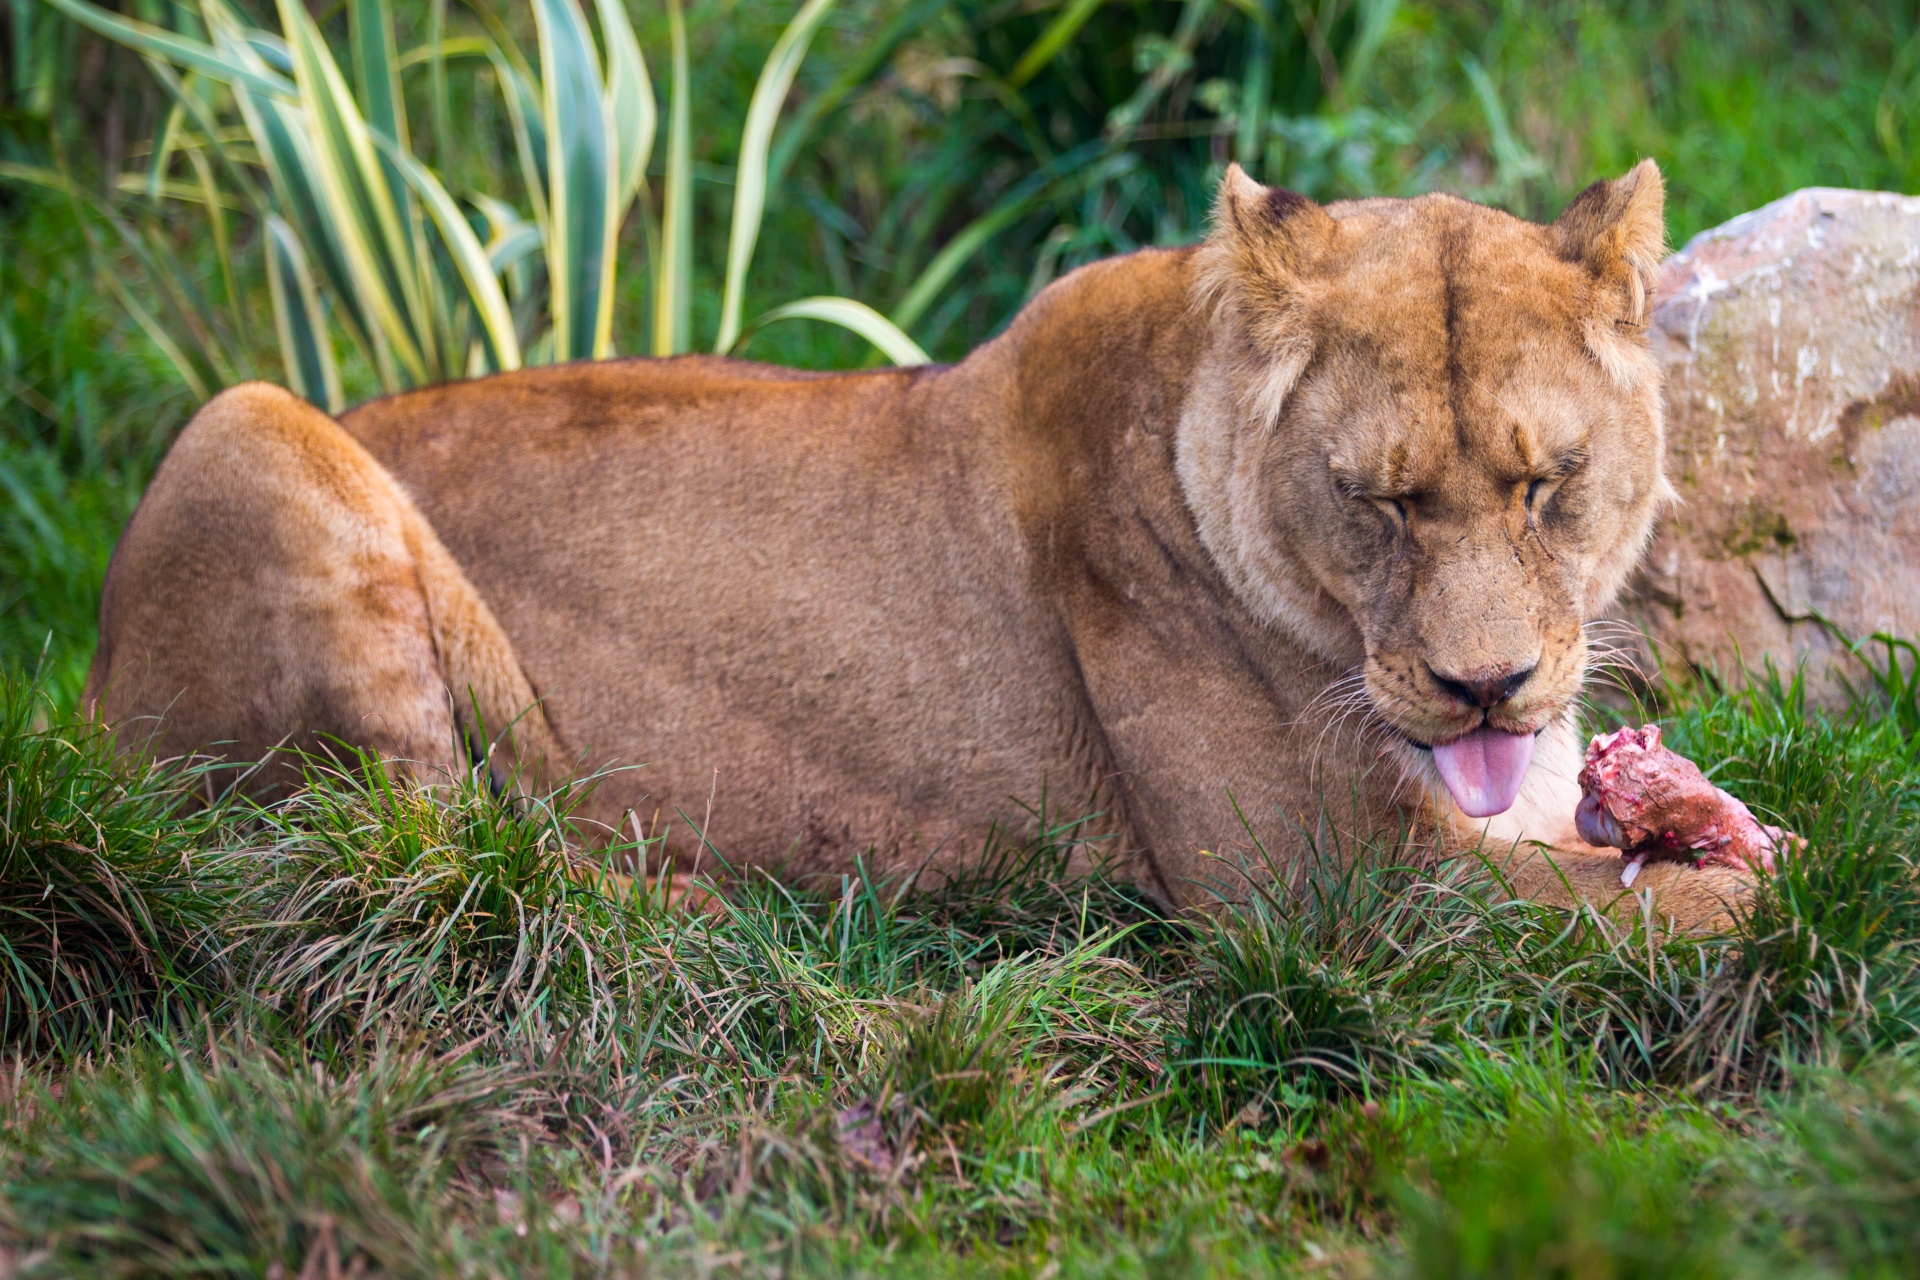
1790 338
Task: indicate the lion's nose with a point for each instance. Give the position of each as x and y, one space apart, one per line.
1484 688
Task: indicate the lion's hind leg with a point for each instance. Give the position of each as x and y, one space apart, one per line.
276 587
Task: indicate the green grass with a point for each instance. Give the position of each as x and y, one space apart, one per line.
407 1031
115 892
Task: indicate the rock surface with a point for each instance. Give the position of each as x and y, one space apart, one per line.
1791 342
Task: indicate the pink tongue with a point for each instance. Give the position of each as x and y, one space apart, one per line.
1484 770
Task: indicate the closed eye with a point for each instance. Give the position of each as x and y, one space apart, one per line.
1396 509
1540 489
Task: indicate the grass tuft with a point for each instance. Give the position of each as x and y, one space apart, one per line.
116 894
239 1160
1849 1185
450 907
1549 1198
1823 967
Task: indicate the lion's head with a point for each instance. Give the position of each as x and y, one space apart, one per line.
1430 446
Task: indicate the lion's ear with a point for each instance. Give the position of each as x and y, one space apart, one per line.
1276 232
1257 271
1618 231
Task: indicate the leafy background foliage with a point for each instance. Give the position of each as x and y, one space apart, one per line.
371 1031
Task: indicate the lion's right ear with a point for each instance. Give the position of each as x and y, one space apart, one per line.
1617 230
1257 271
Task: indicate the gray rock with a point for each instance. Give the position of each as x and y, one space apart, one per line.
1791 342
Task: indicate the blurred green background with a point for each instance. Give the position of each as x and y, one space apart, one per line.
940 160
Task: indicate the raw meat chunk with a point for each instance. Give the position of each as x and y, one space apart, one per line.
1641 798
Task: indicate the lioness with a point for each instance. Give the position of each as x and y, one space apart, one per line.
1308 517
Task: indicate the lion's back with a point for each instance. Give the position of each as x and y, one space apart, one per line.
702 561
553 406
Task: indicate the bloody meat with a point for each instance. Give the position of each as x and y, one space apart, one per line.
1646 801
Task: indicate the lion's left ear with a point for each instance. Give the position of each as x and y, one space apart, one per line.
1618 231
1258 270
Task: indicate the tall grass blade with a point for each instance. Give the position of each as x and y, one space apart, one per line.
873 59
376 57
376 65
848 314
529 129
217 204
1173 62
1256 93
183 338
279 131
191 371
1051 41
187 99
113 897
1372 27
164 145
1071 171
438 102
511 239
756 140
301 322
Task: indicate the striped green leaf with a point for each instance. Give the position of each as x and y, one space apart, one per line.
302 324
673 269
364 210
440 105
508 250
164 143
447 50
376 72
504 226
858 317
529 129
376 67
280 132
756 141
191 106
193 193
470 258
630 104
580 183
177 49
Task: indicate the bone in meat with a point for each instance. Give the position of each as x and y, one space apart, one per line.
1641 798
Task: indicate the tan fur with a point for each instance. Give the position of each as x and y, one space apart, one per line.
1141 552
